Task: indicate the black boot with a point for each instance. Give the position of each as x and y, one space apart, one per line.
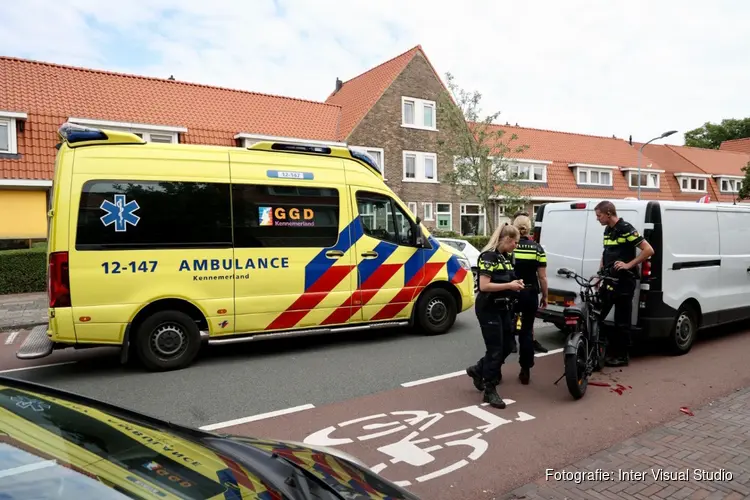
492 397
475 376
539 347
524 376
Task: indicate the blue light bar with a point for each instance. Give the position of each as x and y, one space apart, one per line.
365 158
73 133
280 146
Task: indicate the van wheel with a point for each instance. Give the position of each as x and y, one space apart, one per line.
168 340
436 311
684 331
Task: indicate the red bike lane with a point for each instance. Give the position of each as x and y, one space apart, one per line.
439 440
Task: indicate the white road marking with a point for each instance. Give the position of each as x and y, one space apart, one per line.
38 366
463 372
22 469
253 418
11 337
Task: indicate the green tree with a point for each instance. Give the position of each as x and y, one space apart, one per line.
711 135
480 151
744 193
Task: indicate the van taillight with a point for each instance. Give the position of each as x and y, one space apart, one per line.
59 280
577 206
646 269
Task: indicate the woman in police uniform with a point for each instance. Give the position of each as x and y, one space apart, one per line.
494 305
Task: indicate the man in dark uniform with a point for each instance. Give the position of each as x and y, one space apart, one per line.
619 255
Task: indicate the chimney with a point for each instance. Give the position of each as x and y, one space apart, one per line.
631 140
339 84
171 77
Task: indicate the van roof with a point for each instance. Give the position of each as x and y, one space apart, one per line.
590 203
77 136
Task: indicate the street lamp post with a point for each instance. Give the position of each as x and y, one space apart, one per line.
640 152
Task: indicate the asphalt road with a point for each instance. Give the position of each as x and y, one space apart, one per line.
241 380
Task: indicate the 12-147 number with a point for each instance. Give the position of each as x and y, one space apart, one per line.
117 268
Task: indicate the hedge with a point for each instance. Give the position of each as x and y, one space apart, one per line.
23 271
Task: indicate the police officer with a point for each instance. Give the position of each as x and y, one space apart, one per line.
619 257
494 309
531 267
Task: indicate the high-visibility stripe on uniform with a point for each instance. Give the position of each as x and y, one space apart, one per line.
321 276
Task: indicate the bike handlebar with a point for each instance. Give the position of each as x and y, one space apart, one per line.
587 282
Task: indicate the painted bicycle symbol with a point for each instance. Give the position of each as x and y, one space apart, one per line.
416 449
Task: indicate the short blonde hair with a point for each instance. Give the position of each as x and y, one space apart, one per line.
523 224
501 232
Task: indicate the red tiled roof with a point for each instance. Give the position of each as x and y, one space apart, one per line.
358 95
740 145
565 149
674 163
715 162
51 93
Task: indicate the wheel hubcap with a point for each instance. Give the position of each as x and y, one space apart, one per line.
168 341
436 311
683 330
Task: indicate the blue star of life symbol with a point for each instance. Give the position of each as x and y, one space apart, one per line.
120 213
34 404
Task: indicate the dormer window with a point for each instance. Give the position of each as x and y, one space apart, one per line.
9 131
593 175
692 183
529 170
648 178
729 183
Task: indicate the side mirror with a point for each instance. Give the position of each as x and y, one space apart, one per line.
416 234
564 271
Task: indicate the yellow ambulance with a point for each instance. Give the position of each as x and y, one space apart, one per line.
162 248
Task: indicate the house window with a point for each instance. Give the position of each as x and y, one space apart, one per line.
418 113
428 212
420 167
472 219
692 184
730 185
529 172
647 180
413 208
535 209
377 154
594 177
444 213
8 131
149 133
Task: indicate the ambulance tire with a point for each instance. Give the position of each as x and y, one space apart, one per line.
436 311
175 334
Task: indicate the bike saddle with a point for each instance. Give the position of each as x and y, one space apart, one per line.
572 312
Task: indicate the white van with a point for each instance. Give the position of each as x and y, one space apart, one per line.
698 277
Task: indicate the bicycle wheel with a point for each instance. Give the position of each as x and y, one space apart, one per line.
575 370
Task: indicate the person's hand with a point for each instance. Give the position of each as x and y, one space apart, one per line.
622 266
516 285
543 302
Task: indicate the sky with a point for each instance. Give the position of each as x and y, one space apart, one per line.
587 66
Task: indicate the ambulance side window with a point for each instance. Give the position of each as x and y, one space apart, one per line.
383 219
285 216
142 215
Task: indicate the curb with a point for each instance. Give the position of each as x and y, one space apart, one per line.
21 326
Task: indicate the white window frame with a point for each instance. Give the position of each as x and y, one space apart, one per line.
515 164
369 150
689 177
418 105
145 130
633 172
589 169
735 180
419 166
428 215
9 118
482 214
449 213
412 205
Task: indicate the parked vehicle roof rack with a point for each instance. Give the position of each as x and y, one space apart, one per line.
77 135
313 149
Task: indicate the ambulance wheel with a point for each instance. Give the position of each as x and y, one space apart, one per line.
167 340
436 311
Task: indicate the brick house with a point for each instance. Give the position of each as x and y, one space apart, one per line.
390 111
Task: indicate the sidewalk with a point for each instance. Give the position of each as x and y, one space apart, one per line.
23 310
715 440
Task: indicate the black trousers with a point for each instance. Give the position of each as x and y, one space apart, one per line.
497 331
619 296
528 303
